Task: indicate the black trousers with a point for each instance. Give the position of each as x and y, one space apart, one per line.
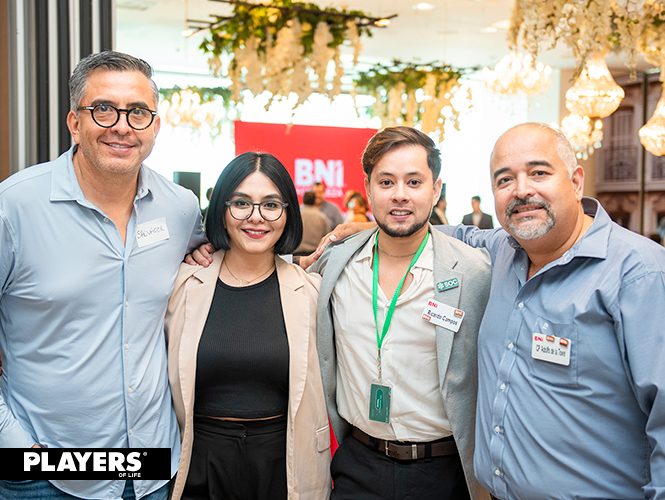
360 472
237 461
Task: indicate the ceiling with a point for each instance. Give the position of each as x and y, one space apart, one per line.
454 31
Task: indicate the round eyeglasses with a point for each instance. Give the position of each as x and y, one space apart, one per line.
270 210
107 116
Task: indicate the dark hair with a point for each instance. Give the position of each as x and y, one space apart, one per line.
234 173
359 198
308 198
394 137
108 60
476 198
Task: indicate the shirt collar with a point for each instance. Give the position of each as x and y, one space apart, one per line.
65 185
425 261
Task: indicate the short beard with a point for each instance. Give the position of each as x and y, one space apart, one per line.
528 229
402 231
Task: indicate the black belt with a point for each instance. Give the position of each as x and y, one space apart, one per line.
408 451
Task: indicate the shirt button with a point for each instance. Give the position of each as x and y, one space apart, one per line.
130 390
106 219
511 346
131 432
520 305
497 472
497 429
126 346
396 420
502 387
126 303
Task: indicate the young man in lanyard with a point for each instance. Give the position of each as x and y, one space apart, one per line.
398 319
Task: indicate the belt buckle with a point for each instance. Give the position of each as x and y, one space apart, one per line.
386 444
414 451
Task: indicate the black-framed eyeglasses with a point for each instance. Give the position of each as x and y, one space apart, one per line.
107 116
270 210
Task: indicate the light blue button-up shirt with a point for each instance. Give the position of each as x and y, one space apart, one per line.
594 429
82 317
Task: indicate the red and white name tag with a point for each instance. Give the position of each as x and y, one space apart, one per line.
551 349
442 315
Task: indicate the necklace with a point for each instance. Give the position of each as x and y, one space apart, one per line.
246 282
396 256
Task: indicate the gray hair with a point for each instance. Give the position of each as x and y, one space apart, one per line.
106 61
563 146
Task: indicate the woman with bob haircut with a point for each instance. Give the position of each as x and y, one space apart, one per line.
241 335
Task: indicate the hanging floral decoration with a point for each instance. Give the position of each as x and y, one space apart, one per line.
285 46
588 27
194 107
428 95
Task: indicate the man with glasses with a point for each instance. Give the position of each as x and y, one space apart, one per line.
81 332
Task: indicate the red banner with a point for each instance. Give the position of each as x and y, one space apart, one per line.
331 155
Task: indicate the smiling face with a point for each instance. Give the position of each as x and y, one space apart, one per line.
536 197
119 149
255 235
402 192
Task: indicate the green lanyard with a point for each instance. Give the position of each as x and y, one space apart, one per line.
393 302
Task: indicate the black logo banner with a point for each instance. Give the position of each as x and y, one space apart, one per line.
86 463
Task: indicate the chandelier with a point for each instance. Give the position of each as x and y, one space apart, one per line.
583 136
652 135
595 93
517 73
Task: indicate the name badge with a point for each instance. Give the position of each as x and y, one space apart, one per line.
152 232
443 315
551 349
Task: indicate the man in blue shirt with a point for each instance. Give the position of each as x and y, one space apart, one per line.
571 377
571 400
81 332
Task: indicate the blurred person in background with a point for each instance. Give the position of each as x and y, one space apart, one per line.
438 216
314 225
331 211
358 206
478 218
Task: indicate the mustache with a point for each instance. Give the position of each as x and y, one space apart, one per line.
520 202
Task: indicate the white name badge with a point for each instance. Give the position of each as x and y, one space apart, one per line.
551 349
442 315
152 232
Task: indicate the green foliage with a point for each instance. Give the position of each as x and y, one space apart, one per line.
207 94
384 77
265 21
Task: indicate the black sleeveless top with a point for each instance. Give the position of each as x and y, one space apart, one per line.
242 368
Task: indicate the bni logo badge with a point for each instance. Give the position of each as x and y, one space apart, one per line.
330 172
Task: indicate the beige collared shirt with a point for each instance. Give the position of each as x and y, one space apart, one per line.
409 360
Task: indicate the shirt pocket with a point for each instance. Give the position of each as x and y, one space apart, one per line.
323 439
553 373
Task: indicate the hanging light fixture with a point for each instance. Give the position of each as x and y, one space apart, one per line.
652 135
185 109
595 93
518 73
584 136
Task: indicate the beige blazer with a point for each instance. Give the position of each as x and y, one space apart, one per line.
308 434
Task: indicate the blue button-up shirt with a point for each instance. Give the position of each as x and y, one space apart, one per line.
82 315
594 429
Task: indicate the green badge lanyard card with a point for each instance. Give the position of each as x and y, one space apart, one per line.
380 390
